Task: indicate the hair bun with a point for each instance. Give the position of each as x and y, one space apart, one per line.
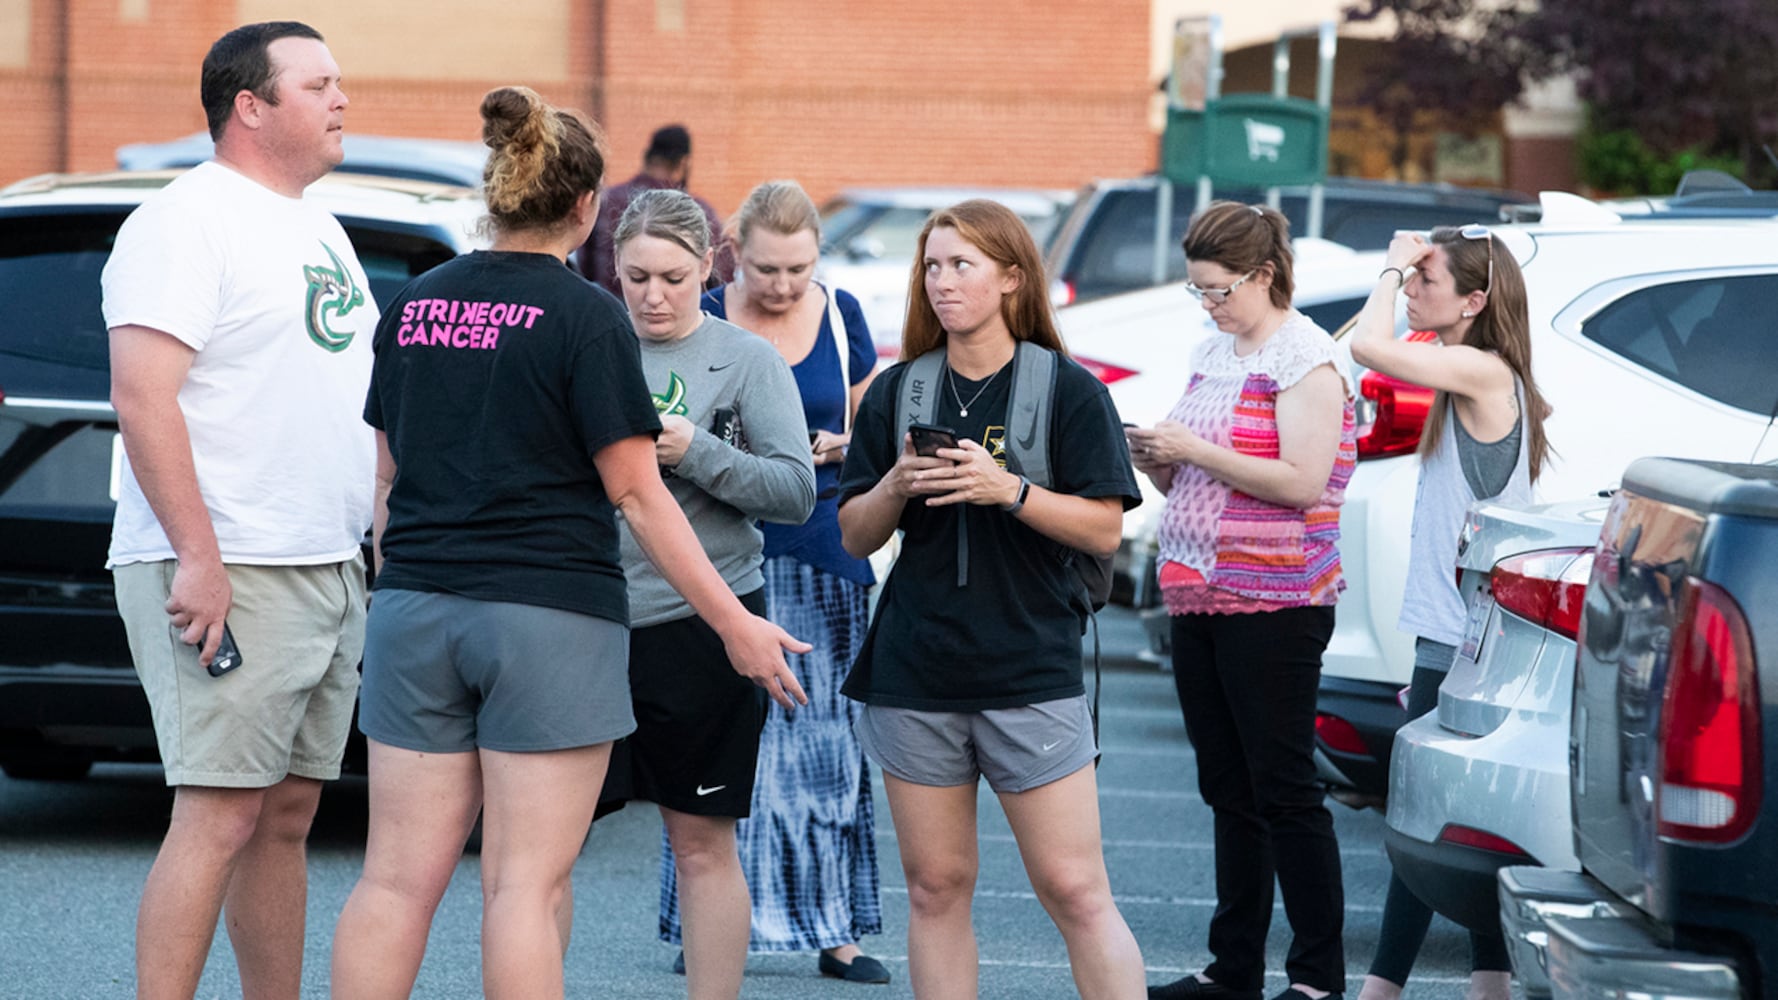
511 114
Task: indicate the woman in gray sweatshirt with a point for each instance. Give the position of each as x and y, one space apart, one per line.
735 450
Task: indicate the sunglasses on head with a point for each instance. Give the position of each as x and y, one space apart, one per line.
1477 231
1217 296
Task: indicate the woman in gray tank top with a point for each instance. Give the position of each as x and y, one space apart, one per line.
1483 440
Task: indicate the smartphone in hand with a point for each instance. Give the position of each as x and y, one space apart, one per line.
929 438
228 655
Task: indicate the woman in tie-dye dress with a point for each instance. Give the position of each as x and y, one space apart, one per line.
809 848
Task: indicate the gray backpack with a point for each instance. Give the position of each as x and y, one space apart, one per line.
1028 418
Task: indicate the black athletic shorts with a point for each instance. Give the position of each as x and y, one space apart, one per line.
697 722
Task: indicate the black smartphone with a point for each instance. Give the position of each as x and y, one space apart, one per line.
813 435
929 438
228 655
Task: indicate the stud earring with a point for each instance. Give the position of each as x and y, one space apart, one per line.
1467 314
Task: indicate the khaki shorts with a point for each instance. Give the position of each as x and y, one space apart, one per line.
286 710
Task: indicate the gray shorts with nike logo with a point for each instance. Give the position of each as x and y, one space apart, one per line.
1016 749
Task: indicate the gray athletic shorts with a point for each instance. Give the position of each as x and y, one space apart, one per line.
1016 749
448 674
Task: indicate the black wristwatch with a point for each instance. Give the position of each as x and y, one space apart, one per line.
1018 503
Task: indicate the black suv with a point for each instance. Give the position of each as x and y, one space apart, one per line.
1105 245
68 692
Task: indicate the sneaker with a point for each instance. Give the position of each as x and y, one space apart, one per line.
1191 988
863 969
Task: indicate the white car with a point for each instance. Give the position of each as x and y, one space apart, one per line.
869 234
1651 335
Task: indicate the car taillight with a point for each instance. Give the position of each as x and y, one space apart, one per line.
1061 293
1546 587
1105 371
1339 734
888 353
1710 762
1392 412
1469 836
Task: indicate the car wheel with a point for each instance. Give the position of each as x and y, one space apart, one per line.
53 769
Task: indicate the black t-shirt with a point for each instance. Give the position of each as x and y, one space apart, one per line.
498 376
1010 637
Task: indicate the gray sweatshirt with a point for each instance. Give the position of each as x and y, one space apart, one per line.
722 489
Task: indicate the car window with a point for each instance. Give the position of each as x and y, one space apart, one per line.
1371 226
1330 316
839 220
1717 336
1117 247
54 342
892 235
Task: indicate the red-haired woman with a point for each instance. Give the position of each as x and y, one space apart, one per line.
972 667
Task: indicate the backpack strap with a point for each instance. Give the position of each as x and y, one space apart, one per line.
1028 412
918 402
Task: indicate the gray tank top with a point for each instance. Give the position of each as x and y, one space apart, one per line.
1487 465
1430 606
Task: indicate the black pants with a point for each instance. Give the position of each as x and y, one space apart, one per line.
1247 688
1405 918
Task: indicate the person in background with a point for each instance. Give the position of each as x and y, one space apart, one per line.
973 667
735 450
666 165
1254 460
1483 440
809 849
242 504
496 663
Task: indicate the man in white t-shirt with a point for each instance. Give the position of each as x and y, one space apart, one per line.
241 326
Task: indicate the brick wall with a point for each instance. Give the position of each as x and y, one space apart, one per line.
831 92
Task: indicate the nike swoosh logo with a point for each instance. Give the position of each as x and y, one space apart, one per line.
717 368
1047 747
706 791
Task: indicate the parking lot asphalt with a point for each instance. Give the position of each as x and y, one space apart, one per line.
73 857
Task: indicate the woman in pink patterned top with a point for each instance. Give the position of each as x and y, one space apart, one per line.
1254 460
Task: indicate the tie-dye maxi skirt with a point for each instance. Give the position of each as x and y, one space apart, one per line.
809 849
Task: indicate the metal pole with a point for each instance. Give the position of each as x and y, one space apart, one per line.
1324 97
1212 92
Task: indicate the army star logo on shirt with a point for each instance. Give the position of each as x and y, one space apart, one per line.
332 294
994 439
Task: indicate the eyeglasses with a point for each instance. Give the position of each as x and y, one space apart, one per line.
1477 231
1217 296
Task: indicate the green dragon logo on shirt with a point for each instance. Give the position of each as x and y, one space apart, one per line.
332 295
672 402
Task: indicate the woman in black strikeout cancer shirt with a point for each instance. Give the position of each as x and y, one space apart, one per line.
496 655
975 671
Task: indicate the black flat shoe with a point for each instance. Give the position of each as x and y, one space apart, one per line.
679 962
1292 993
863 969
1191 988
